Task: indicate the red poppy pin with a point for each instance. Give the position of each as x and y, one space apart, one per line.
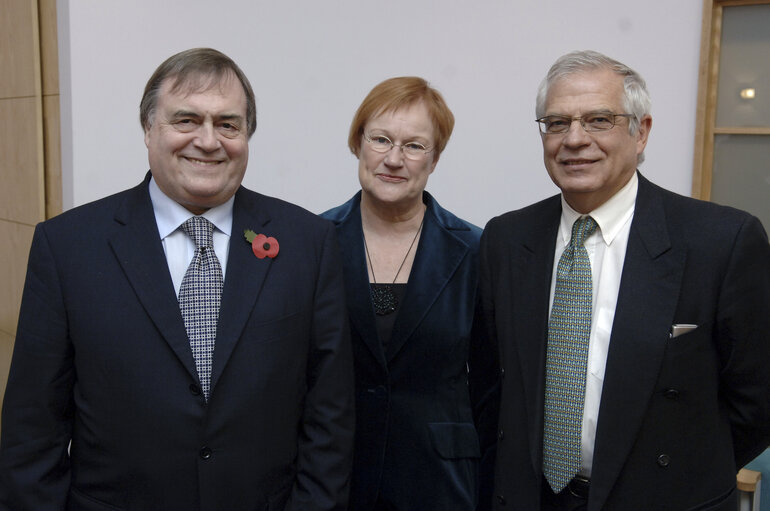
261 245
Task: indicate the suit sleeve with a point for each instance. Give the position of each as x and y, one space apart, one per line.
484 384
325 453
743 323
38 405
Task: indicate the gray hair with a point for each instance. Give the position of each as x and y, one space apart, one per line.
197 68
636 100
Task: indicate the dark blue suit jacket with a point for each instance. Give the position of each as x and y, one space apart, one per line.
678 416
102 359
416 442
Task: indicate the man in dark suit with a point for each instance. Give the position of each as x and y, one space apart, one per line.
131 387
636 361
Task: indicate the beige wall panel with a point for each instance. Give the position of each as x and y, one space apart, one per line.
51 121
22 194
6 349
18 48
49 48
14 252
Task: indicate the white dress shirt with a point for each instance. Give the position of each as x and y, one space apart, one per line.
606 249
178 246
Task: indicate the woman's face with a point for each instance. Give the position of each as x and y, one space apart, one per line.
393 178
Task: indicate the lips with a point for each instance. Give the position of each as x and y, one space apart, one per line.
205 163
577 161
391 178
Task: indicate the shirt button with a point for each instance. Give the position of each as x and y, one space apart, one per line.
205 453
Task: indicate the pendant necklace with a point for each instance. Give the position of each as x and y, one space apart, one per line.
383 297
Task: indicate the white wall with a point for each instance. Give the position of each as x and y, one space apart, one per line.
311 63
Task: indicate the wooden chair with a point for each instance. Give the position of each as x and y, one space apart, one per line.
749 488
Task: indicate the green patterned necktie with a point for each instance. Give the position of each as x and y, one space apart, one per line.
566 360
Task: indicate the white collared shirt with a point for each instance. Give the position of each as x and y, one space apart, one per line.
178 246
606 249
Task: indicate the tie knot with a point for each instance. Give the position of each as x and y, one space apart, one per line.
200 230
582 229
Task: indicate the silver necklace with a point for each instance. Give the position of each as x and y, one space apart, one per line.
383 297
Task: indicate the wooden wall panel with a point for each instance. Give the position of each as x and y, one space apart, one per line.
29 140
14 252
49 48
6 349
22 198
52 137
18 48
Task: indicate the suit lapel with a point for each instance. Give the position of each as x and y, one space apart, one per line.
350 236
531 261
244 277
649 290
439 253
139 251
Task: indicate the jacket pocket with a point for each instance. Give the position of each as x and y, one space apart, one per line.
453 440
79 501
727 501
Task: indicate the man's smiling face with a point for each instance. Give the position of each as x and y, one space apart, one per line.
590 168
197 141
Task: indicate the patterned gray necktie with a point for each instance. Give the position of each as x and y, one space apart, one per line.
567 359
200 296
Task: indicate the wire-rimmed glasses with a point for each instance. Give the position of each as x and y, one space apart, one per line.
592 121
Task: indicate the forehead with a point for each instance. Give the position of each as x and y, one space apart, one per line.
225 90
414 116
585 91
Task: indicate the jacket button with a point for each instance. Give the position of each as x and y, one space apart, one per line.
502 372
672 394
501 500
500 435
205 453
664 460
195 390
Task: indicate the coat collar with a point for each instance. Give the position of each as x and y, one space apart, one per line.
245 276
139 250
438 255
649 291
531 261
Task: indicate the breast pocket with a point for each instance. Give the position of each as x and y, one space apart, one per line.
266 330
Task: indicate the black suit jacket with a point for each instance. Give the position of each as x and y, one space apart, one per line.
416 441
678 416
102 359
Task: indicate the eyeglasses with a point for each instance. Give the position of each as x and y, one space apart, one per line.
411 150
592 121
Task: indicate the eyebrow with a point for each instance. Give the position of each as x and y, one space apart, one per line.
190 113
599 111
387 133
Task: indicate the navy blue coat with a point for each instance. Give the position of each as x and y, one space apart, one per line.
417 405
102 359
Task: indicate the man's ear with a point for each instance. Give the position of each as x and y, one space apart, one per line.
643 133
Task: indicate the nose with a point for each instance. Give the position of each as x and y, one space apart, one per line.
395 156
207 138
576 135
